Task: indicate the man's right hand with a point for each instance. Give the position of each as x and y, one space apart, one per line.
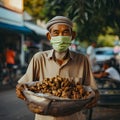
19 89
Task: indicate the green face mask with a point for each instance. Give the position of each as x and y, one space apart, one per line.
60 43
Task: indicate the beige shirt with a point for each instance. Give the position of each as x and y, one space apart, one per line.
76 66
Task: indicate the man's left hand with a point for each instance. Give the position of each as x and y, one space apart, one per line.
93 103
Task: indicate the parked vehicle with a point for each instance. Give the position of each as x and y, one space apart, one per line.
104 53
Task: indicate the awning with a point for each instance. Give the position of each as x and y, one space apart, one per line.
15 28
37 29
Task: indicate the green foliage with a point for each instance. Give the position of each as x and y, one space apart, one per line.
55 7
106 40
35 8
91 17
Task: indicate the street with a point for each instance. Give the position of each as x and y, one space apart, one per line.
12 108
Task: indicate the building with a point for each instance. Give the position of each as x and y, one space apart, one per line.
15 30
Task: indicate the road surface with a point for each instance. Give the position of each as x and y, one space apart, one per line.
12 108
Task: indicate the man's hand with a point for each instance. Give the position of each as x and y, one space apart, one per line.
93 103
19 89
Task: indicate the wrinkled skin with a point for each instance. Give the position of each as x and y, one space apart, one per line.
19 89
94 101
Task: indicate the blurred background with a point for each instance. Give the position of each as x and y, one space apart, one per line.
22 27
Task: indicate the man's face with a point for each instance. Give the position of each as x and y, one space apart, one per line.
105 66
60 30
94 45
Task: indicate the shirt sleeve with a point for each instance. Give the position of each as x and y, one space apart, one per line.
89 50
31 72
88 75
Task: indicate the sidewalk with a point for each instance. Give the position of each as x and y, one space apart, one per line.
104 113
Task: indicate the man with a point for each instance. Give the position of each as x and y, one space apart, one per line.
91 55
108 71
10 62
60 61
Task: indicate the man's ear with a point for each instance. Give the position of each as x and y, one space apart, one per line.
48 35
73 35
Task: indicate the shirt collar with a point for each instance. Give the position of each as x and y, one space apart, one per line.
51 54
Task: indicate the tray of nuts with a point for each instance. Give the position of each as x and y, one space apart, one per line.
57 96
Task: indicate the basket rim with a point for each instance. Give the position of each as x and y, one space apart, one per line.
56 98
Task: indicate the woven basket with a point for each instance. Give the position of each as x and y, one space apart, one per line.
45 104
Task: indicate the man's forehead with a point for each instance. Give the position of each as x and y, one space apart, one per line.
59 26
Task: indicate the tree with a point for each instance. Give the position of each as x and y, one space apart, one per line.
91 17
35 8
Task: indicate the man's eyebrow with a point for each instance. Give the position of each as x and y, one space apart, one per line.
67 29
54 30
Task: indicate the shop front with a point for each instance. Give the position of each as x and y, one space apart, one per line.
14 31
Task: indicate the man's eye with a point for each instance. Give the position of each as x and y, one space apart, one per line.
55 33
66 32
